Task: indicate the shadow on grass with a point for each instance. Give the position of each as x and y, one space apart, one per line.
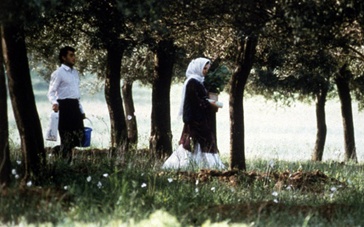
97 188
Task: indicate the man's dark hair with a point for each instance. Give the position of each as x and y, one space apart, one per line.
63 52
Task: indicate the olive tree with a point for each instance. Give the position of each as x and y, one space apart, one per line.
14 17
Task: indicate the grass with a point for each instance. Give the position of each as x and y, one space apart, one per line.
99 191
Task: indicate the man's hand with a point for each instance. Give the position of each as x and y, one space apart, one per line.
55 107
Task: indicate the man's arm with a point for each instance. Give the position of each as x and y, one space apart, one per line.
52 92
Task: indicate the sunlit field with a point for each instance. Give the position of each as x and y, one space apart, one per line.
271 131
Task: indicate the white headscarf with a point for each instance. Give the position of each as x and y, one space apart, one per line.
194 71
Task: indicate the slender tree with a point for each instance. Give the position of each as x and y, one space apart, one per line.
159 26
342 81
22 98
137 65
104 33
247 19
114 99
161 135
245 60
131 122
5 163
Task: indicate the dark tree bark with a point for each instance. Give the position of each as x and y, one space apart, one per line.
131 121
119 138
160 142
5 164
342 82
22 99
247 49
321 125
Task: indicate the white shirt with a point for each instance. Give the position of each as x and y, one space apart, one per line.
64 84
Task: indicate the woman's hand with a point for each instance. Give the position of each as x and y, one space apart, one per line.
214 106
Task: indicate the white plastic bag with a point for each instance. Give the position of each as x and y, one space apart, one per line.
52 130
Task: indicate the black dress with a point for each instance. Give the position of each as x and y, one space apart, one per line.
197 127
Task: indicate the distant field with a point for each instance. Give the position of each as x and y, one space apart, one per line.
271 132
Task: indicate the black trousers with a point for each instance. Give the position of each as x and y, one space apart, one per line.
70 126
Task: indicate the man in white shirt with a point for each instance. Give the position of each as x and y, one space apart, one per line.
64 94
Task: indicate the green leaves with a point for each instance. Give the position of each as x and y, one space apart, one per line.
216 80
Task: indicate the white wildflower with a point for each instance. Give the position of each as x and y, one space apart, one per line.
333 189
197 182
88 178
16 176
130 117
213 189
289 187
65 187
18 161
271 164
105 175
29 183
13 171
196 190
275 193
170 180
275 200
144 185
99 184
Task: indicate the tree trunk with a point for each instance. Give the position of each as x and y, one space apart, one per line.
131 121
160 142
342 82
247 51
321 125
22 99
5 164
119 138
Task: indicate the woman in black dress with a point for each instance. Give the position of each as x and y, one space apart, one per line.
197 146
